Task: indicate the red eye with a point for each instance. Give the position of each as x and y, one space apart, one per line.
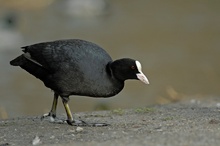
132 67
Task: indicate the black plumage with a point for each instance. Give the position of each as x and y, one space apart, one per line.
77 67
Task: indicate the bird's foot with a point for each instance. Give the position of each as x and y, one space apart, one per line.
47 115
83 123
52 118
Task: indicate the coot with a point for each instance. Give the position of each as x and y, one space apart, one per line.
77 67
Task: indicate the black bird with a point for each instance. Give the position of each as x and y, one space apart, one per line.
77 67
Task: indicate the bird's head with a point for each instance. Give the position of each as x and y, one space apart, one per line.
126 68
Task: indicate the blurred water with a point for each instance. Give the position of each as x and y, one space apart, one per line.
177 43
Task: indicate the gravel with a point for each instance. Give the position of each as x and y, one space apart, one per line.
190 122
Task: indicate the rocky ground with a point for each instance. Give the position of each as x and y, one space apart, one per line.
192 122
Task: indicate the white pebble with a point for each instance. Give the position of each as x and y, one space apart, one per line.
79 129
36 141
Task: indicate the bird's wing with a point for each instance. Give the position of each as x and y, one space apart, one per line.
45 55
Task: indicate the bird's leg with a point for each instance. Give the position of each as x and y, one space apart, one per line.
67 109
52 112
73 122
70 120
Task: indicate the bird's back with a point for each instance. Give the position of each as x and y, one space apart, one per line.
70 67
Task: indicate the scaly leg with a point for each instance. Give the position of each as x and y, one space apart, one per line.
52 112
73 122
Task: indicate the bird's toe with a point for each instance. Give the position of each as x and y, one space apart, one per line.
52 118
83 123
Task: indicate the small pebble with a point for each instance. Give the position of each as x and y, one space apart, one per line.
36 141
79 129
52 137
71 130
214 121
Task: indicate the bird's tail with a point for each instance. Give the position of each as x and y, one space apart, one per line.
29 66
18 61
